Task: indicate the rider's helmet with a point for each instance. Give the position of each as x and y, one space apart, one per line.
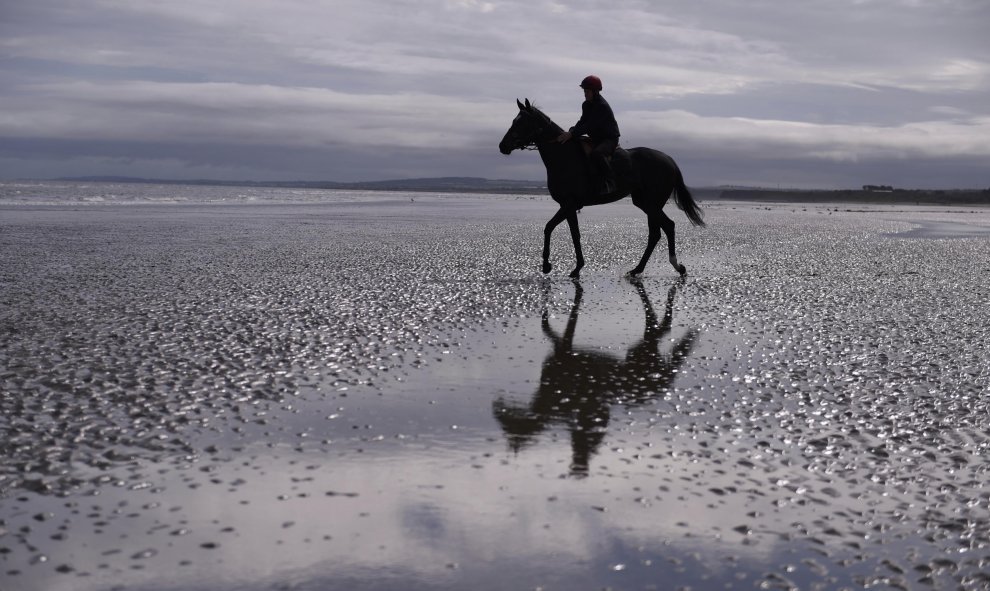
592 82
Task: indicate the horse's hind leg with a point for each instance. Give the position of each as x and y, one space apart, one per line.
572 223
659 224
668 228
651 243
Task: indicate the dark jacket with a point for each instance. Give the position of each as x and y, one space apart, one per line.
597 120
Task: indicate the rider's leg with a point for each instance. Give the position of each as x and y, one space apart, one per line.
600 157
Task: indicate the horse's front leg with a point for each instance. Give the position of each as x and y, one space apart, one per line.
558 217
572 223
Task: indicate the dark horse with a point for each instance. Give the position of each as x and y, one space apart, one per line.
579 385
650 176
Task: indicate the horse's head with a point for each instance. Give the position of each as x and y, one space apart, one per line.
529 127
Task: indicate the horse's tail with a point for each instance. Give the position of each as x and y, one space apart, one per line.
684 200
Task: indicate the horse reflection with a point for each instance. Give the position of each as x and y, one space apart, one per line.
578 386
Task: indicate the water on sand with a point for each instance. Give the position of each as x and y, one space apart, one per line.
388 395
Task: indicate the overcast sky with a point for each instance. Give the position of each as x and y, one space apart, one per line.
800 93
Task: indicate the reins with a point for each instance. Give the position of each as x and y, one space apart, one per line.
535 144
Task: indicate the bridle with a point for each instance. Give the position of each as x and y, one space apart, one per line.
532 144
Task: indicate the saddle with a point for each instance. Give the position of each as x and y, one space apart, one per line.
620 161
587 145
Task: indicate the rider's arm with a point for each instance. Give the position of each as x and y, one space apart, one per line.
582 127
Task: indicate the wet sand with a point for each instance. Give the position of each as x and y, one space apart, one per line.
391 396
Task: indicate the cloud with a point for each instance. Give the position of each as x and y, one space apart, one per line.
252 114
826 81
800 140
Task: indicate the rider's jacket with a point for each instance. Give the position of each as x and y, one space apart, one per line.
597 120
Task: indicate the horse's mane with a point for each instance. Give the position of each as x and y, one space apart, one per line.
534 108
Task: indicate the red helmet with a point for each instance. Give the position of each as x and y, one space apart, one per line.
592 82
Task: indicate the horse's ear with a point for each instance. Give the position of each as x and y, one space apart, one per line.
521 107
527 104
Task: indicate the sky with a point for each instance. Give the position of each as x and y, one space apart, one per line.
802 94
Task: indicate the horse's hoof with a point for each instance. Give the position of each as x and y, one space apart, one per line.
547 267
682 270
575 273
634 273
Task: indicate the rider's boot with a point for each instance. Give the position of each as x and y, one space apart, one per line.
606 176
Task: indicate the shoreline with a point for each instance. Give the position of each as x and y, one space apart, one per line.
416 187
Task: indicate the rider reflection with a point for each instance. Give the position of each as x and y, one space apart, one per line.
578 386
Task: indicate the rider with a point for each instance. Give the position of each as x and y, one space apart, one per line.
597 122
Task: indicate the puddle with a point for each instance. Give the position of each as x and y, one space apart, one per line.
589 444
931 230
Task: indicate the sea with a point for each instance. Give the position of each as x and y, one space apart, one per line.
71 192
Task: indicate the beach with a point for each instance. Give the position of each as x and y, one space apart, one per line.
384 392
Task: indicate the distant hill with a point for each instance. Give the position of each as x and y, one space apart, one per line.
438 184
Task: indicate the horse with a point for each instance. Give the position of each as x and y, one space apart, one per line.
649 175
578 386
